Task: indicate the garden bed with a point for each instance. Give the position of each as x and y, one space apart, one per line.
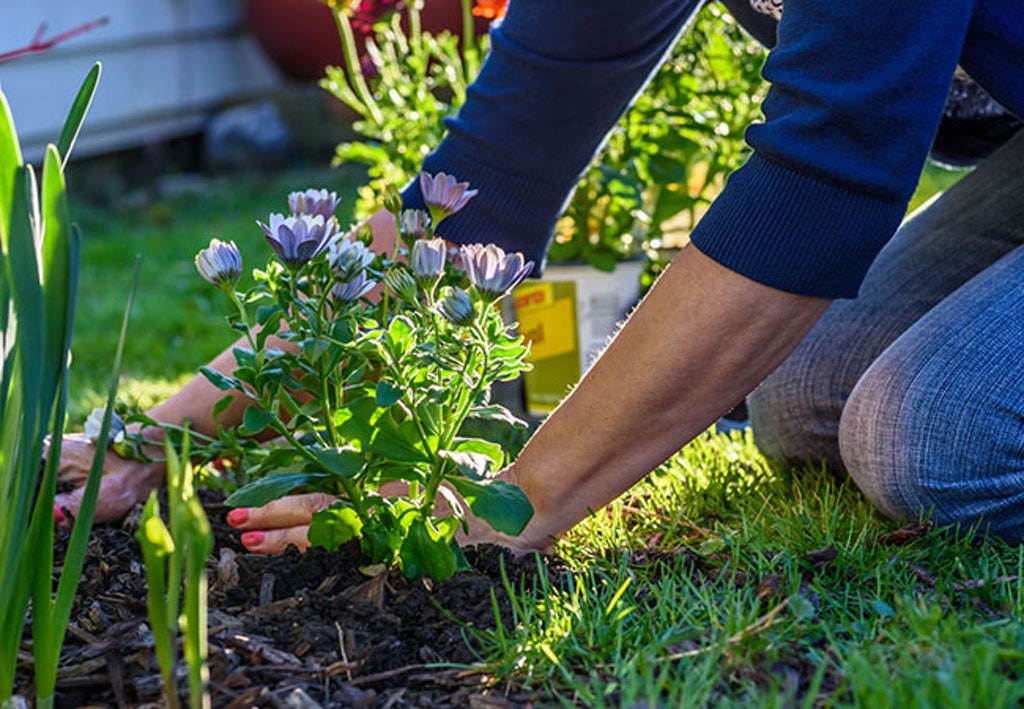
293 630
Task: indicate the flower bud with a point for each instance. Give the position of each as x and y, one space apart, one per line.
427 259
392 200
220 263
402 284
457 306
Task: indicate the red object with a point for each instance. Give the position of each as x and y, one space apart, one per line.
301 38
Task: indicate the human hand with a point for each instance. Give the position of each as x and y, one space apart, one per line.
124 483
274 527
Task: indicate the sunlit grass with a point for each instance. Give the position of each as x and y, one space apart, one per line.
724 581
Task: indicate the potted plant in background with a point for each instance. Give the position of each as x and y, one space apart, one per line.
658 171
300 37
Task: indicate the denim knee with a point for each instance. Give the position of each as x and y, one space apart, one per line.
926 440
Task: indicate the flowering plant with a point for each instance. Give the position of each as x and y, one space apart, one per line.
385 358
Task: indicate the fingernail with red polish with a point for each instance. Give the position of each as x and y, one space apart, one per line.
253 539
58 514
238 516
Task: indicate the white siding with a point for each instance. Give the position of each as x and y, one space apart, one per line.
167 64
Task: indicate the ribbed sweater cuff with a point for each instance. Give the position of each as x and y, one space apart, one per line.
515 213
796 233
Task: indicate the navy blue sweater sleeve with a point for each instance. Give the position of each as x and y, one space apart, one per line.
559 75
857 90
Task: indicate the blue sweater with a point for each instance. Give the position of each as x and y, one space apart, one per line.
857 92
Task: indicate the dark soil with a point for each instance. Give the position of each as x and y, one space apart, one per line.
294 630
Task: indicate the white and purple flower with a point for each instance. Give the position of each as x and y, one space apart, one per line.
444 195
492 271
220 263
298 239
313 202
353 290
348 256
427 259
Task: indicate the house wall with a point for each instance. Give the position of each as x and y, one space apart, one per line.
167 66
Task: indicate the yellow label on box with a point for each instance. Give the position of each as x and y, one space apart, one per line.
550 330
546 312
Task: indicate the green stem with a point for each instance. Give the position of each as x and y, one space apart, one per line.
244 315
353 67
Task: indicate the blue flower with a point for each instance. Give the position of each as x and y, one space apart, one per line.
414 224
353 290
298 239
220 263
348 256
492 271
427 259
444 195
313 202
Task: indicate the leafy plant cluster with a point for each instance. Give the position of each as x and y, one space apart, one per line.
669 155
408 82
368 370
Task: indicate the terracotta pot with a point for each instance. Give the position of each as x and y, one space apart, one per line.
301 38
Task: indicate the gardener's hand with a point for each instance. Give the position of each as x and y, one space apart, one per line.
285 522
124 482
275 526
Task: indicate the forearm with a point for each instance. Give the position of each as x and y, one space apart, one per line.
703 338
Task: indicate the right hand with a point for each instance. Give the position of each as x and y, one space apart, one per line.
124 482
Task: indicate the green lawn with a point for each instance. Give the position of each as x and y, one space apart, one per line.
721 580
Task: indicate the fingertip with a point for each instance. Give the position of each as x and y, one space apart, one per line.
238 516
253 540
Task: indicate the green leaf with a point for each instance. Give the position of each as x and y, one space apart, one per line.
399 333
273 487
345 462
221 381
426 553
398 441
497 413
491 450
502 505
334 526
76 115
255 420
472 465
356 421
387 393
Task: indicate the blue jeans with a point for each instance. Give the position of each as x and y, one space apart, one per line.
916 388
